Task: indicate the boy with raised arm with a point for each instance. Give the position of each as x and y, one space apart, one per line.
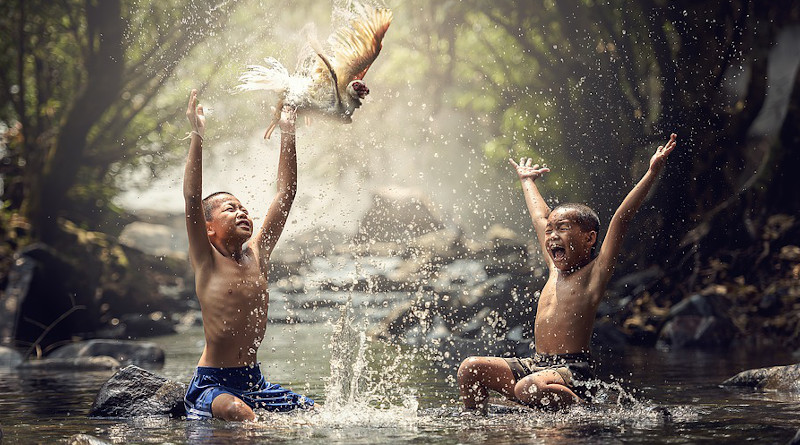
556 374
231 284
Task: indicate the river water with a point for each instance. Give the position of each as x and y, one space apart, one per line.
379 393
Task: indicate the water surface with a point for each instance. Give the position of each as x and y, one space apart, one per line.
404 398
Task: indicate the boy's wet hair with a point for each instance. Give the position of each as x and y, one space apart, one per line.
208 203
585 218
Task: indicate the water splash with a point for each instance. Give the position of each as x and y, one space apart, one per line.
348 361
364 390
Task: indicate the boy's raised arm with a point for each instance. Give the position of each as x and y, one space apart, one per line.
286 188
607 257
199 246
533 199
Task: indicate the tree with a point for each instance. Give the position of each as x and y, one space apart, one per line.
605 81
82 73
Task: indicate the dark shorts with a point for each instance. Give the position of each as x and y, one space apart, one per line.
246 382
575 369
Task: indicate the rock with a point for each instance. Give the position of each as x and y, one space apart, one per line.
134 392
444 244
398 321
9 358
155 239
494 292
475 326
44 289
796 439
636 282
776 378
698 321
509 253
397 215
704 306
459 274
139 325
85 439
607 335
71 364
693 331
125 351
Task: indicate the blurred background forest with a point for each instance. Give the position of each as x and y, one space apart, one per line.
92 96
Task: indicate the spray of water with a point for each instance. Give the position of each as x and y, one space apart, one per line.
363 390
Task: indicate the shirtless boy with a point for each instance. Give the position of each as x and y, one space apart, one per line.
231 284
555 375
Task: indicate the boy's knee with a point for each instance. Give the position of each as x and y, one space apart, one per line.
527 390
469 365
239 410
233 409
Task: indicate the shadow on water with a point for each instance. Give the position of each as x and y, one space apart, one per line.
372 392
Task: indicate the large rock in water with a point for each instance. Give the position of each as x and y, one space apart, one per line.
134 392
398 215
155 239
776 378
698 322
125 351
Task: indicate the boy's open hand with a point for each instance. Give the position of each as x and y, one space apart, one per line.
288 118
195 115
526 170
660 156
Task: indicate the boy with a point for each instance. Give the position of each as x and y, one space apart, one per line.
556 374
231 284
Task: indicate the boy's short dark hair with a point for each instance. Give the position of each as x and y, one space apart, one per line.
208 203
585 218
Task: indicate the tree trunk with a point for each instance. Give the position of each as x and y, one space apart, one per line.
104 68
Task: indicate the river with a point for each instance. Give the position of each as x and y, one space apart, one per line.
404 397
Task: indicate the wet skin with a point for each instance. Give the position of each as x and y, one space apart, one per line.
568 303
231 260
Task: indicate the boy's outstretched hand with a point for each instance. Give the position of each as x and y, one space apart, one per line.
526 170
660 156
195 115
288 118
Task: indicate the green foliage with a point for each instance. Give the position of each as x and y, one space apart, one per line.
81 93
588 88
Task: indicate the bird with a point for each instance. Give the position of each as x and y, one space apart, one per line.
328 82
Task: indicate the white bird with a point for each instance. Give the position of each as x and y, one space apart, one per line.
332 83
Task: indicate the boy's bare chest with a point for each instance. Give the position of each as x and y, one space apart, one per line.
569 297
233 282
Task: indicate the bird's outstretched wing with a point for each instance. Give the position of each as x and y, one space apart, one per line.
356 46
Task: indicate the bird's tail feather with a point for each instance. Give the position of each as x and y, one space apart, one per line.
272 77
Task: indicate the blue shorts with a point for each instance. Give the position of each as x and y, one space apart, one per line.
246 383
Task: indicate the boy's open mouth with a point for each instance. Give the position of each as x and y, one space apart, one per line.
245 224
558 252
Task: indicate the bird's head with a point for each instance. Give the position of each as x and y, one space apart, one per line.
357 89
